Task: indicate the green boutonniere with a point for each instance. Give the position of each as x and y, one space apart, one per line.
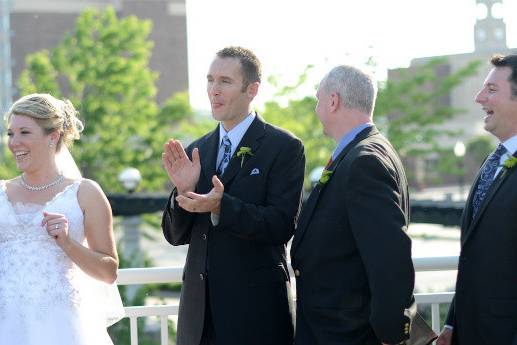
243 152
510 162
325 176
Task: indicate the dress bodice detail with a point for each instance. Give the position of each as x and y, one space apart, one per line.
22 222
33 268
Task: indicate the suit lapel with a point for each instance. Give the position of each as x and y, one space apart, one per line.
208 150
311 203
500 178
252 139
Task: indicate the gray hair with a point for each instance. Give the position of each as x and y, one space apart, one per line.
356 88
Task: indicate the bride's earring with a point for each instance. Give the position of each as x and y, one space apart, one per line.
51 144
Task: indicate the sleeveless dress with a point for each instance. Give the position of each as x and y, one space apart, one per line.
44 297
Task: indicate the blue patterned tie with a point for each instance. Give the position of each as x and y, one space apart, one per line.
486 177
226 148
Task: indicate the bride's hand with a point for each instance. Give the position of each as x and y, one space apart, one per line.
57 227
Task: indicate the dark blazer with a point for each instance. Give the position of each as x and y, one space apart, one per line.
484 309
243 258
350 252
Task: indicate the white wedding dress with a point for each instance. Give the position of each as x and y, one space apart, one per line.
46 299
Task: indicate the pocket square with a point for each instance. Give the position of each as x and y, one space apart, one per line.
255 171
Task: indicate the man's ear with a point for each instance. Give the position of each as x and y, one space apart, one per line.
252 89
334 101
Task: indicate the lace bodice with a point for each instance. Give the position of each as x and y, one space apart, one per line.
34 270
22 222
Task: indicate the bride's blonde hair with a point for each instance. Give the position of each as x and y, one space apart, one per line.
50 114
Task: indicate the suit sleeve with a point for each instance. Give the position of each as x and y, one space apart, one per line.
273 221
378 223
176 222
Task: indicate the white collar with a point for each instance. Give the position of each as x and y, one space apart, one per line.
511 145
236 133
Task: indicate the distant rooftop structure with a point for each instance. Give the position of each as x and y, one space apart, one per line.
490 28
490 39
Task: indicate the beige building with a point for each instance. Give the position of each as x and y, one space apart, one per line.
38 24
490 38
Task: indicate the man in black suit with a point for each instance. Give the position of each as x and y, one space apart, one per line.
484 308
237 194
350 254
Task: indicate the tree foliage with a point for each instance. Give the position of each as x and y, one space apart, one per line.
102 67
411 107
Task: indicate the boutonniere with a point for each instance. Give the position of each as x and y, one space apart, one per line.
243 152
325 176
510 162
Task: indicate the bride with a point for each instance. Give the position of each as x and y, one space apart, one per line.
58 261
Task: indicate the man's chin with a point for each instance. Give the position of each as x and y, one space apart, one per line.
217 115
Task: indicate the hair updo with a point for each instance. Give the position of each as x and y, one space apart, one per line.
50 114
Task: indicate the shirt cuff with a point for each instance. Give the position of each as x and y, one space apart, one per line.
449 327
172 199
214 218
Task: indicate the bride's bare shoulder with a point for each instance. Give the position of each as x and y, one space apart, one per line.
15 181
90 192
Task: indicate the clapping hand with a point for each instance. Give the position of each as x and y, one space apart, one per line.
57 227
200 203
183 172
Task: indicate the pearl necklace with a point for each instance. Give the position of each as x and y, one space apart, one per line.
56 181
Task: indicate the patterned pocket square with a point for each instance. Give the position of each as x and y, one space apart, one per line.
255 171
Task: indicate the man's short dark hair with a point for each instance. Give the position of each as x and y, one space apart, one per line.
511 62
250 64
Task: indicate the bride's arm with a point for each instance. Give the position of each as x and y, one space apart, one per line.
100 260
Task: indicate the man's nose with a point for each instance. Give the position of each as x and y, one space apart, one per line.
213 89
480 97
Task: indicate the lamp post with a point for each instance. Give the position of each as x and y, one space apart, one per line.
130 179
459 152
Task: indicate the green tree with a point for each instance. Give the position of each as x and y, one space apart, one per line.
410 109
102 67
298 117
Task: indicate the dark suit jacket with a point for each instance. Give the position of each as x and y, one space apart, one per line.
350 252
484 309
242 259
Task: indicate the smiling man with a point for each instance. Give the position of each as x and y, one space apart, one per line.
236 196
484 309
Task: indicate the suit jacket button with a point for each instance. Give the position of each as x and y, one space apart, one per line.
297 273
204 237
201 276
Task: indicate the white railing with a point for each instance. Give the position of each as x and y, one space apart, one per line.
131 276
